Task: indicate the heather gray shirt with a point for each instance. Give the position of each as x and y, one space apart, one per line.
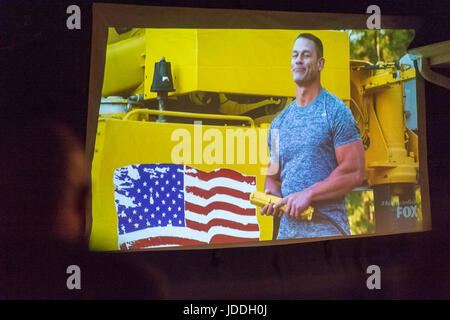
307 138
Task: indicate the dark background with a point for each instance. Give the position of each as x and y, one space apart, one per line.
44 73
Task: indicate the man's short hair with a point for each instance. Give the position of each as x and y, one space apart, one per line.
317 42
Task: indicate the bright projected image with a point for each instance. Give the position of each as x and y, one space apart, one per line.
202 132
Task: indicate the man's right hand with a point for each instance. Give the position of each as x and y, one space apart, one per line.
269 209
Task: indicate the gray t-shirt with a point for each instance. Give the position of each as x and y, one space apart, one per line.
305 148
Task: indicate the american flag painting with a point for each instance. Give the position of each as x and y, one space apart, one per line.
177 205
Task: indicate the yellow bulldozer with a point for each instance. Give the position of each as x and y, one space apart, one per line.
205 98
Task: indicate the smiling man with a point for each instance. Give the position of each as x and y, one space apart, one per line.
318 156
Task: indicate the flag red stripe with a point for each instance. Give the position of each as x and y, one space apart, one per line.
221 222
218 205
158 241
221 238
206 194
220 173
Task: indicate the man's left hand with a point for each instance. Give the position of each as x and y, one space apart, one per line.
295 203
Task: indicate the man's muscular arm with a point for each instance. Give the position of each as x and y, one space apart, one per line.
272 185
348 174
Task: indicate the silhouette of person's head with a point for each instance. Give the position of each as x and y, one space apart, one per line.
44 188
43 184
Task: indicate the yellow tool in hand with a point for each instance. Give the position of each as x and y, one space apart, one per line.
262 199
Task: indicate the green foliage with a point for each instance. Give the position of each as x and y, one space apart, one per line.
360 211
386 45
419 206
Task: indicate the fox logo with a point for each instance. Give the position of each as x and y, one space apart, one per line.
406 211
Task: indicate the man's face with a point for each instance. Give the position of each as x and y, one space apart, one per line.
305 65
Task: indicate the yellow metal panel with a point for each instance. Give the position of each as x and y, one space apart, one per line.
389 109
242 61
124 65
121 143
101 228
